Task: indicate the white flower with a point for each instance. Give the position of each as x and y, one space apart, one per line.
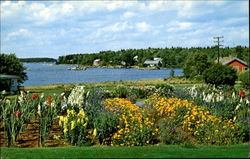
42 95
52 104
237 107
63 105
247 101
3 92
233 95
44 105
39 109
241 100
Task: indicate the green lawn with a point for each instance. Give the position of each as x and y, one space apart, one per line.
161 151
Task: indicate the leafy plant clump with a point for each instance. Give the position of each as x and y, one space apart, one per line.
219 74
244 78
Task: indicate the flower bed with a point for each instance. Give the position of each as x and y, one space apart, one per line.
91 117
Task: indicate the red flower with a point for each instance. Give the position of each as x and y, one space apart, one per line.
17 113
34 96
49 99
241 93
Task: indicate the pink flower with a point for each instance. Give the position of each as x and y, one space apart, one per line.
34 96
17 113
241 93
49 99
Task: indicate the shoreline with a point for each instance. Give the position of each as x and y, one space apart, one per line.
175 80
120 66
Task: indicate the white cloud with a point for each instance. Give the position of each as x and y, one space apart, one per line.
98 25
128 15
142 26
176 26
20 33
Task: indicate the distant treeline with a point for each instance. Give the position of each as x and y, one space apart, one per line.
173 57
43 59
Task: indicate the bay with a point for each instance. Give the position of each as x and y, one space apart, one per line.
47 73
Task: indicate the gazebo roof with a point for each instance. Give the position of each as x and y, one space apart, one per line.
3 76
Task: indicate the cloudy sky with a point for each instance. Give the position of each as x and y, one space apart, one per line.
51 29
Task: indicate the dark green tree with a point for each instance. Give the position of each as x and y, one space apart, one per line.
195 65
11 65
219 74
239 52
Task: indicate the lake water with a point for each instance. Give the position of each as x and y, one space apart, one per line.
46 73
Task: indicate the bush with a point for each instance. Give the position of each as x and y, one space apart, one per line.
171 133
106 125
219 74
76 127
164 89
194 65
244 78
121 92
11 65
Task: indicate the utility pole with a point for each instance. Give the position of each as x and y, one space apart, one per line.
217 41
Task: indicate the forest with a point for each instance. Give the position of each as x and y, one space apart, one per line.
37 59
173 57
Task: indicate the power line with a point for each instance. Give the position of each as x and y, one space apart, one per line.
218 41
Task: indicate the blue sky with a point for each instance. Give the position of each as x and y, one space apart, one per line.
55 28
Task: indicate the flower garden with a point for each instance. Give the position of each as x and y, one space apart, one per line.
86 116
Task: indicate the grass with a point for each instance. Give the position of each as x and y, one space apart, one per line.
58 88
160 151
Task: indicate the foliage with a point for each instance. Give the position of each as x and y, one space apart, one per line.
171 132
198 115
171 57
10 65
164 89
18 112
219 74
204 127
244 78
172 73
195 65
221 101
76 127
134 128
106 125
44 59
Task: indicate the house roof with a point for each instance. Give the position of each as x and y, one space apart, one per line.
232 59
151 62
3 76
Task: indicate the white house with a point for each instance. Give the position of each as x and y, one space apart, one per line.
96 62
135 58
154 62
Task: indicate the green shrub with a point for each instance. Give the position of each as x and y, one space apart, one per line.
121 92
244 78
195 64
171 133
164 89
219 74
106 124
171 73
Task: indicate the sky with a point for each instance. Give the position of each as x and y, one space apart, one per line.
56 28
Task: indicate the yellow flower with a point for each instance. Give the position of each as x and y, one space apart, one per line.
72 125
95 132
65 130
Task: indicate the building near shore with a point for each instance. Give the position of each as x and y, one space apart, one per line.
9 82
96 62
238 64
156 62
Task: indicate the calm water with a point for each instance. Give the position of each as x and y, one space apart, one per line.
46 73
